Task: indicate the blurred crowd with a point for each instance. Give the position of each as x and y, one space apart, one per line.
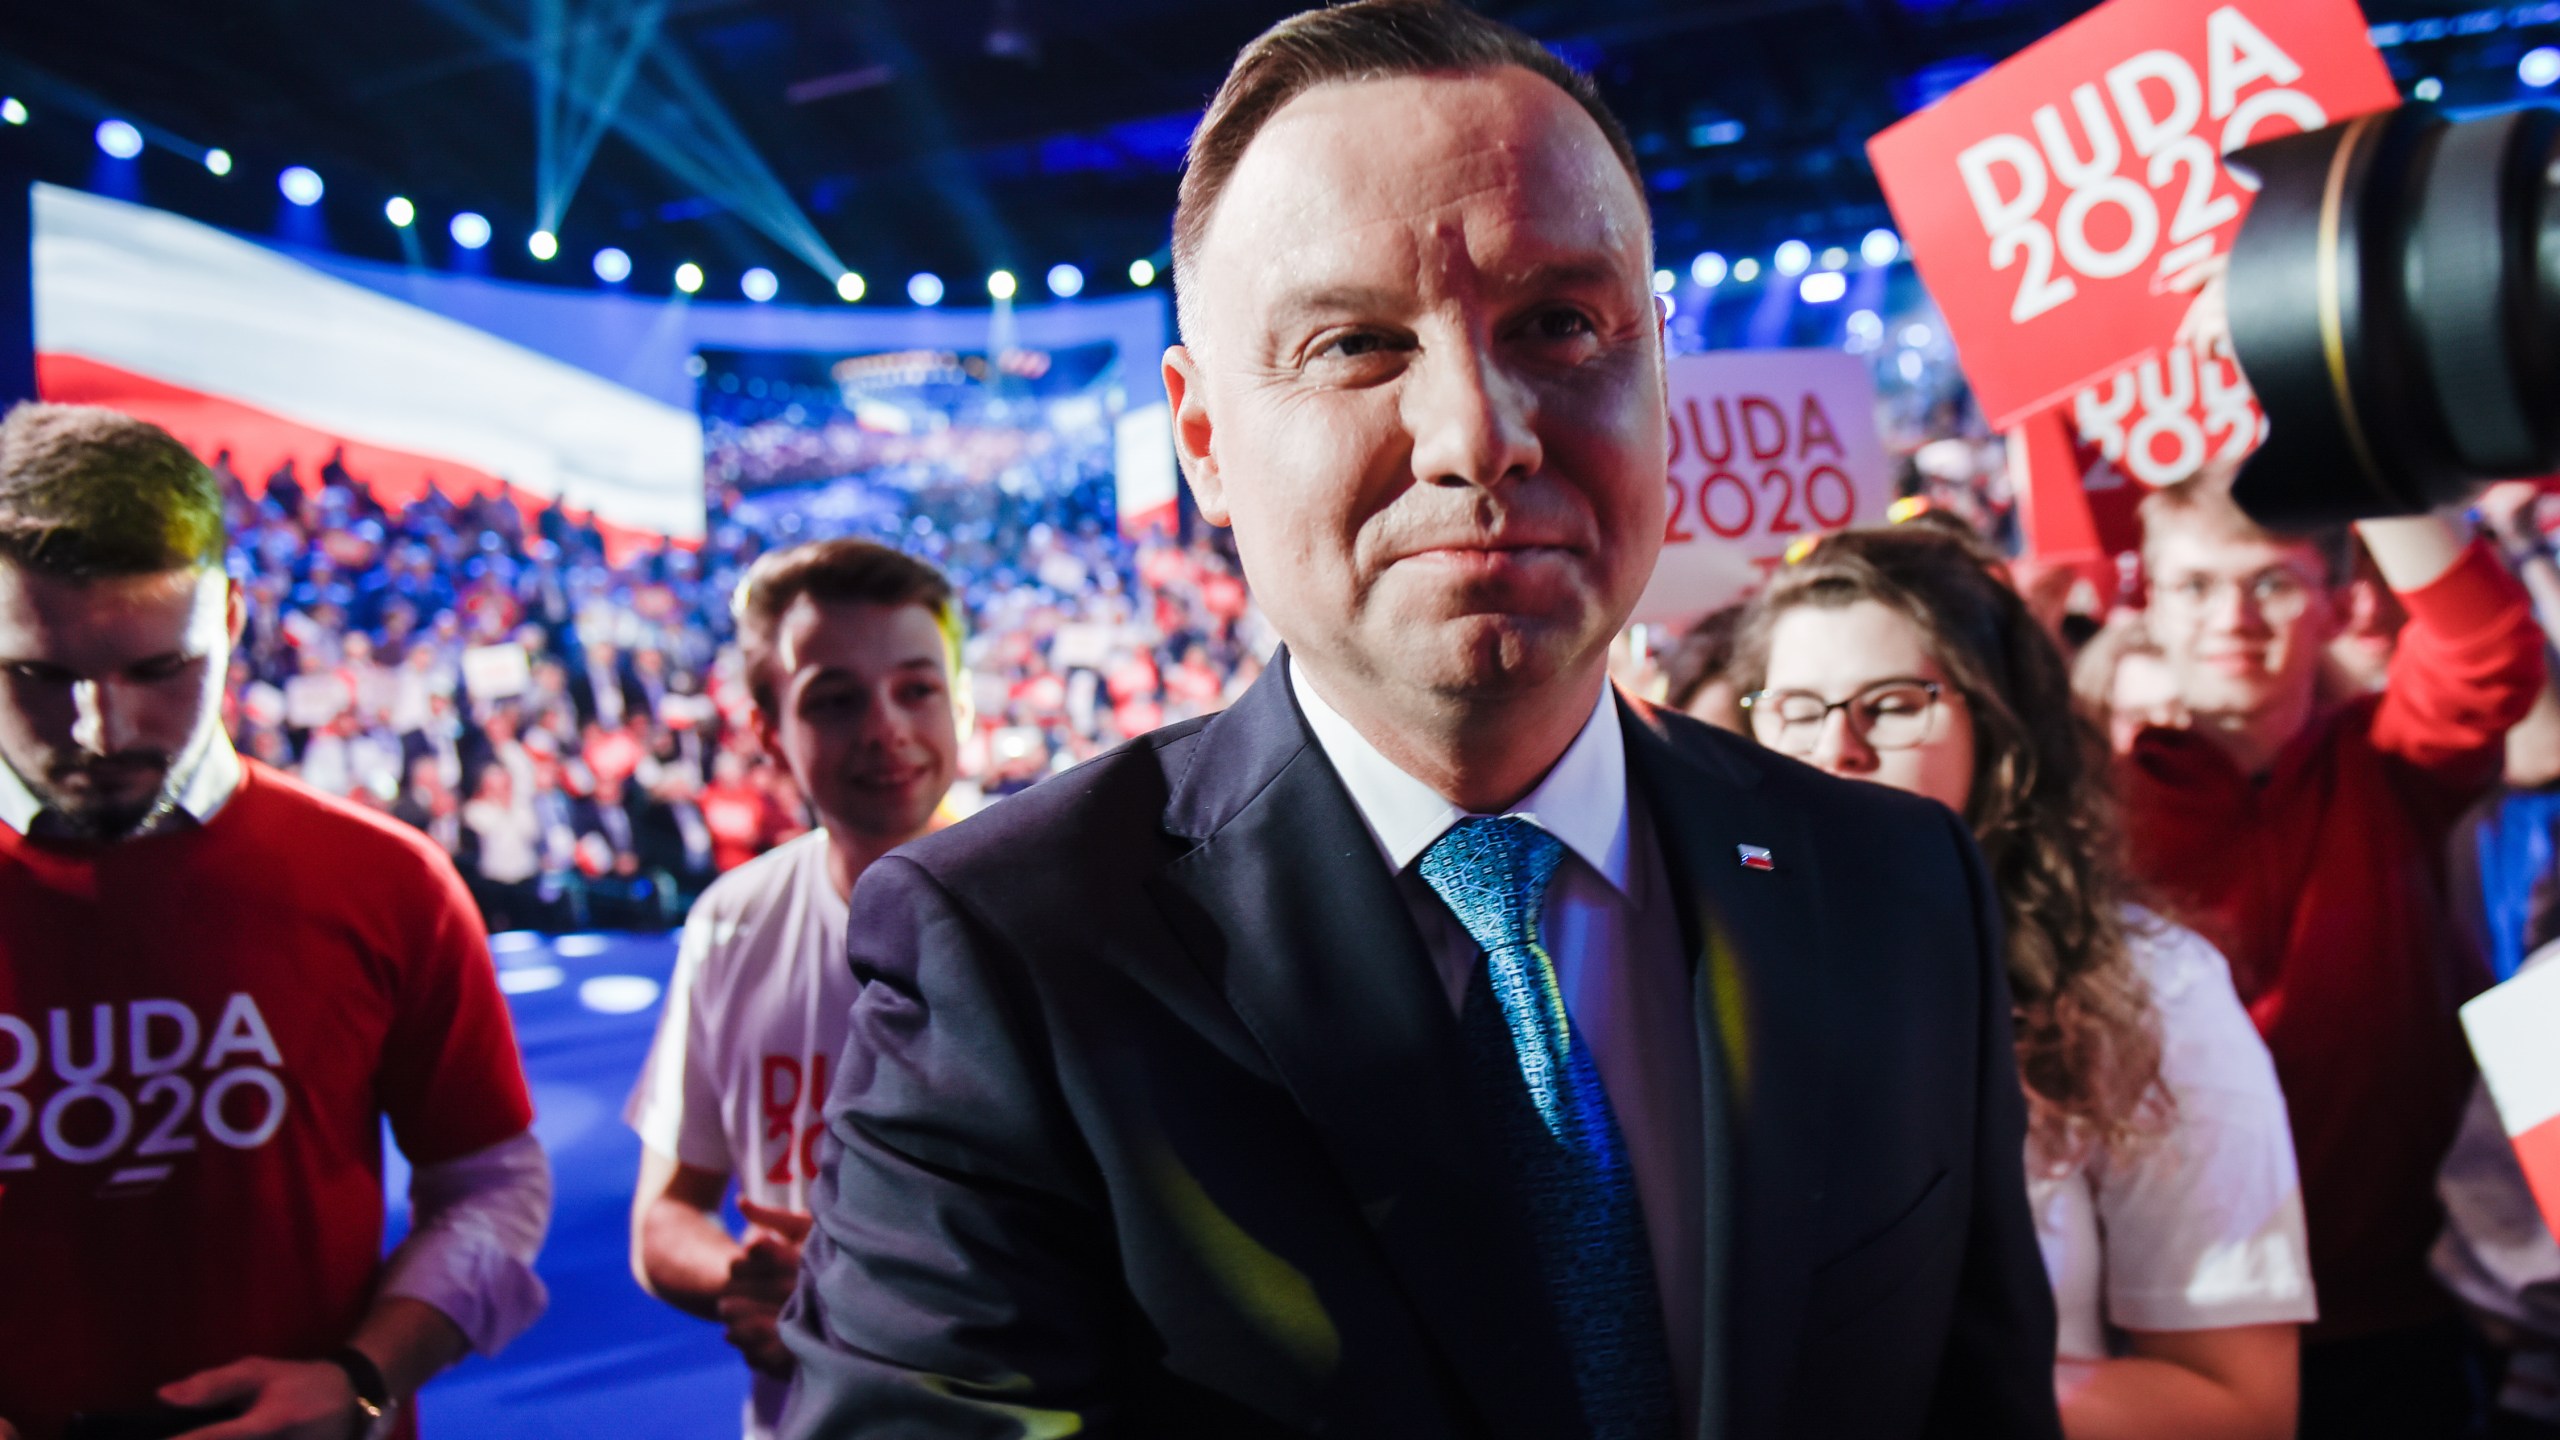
567 717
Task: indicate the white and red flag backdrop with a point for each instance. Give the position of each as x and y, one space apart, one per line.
234 346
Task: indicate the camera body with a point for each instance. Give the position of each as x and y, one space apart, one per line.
2394 299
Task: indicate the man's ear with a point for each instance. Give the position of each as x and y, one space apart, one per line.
1192 432
235 610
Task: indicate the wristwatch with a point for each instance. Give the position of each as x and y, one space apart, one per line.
376 1411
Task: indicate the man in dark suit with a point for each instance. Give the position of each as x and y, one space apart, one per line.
1435 1044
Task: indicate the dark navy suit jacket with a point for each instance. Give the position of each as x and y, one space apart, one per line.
1153 1122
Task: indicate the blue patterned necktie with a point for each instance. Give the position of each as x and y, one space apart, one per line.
1558 1138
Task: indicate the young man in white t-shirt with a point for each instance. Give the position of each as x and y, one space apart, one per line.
851 653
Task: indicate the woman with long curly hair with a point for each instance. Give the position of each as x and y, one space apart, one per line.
2159 1161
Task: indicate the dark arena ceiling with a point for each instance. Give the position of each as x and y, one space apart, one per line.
949 135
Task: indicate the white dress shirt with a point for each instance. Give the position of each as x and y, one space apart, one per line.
479 1218
1613 932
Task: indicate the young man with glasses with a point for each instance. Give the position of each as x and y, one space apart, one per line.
2307 842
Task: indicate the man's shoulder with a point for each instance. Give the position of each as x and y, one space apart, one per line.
1105 814
312 826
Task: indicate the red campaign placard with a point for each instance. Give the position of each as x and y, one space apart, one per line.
2050 203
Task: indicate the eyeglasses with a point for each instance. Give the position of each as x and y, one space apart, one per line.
1889 715
2277 593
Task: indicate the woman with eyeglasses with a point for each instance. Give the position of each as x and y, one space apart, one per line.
2160 1166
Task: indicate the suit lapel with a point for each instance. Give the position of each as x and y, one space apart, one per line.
1754 939
1288 907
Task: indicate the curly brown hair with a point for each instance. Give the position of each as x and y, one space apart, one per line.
2088 1036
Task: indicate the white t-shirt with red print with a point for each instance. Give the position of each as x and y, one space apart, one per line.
755 1019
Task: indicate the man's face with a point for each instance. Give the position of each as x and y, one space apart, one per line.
1423 380
864 715
108 688
2240 620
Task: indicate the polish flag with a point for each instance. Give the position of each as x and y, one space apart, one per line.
233 346
2515 1032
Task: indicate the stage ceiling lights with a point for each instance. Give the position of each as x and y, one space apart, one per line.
925 288
850 287
1835 258
1142 273
1663 281
2429 89
301 185
1794 257
1709 269
1746 270
1001 285
2540 67
1065 281
688 277
1823 287
119 139
218 161
542 244
1881 247
759 285
401 213
13 110
470 229
612 266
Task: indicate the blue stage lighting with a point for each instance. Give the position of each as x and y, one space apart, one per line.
612 266
759 285
301 185
1142 273
1823 286
2539 67
400 212
1881 247
925 288
850 287
1001 285
470 229
218 160
119 138
13 110
1708 269
1066 281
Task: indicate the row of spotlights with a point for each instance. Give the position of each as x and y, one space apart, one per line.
470 230
1709 269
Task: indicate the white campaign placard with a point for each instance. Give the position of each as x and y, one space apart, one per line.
1767 448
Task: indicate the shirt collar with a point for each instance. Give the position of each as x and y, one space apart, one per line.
1582 801
211 785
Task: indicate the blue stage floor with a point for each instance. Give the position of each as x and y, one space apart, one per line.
606 1359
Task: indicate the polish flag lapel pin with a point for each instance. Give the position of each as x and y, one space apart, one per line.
1756 857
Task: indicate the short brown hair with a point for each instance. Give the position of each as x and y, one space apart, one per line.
2205 501
1363 40
87 493
859 571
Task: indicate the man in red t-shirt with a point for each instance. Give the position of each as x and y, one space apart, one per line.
215 985
2307 841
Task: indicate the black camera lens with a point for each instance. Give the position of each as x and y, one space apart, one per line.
2395 303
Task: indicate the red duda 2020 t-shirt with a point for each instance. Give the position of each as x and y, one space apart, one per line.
200 1031
2324 882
